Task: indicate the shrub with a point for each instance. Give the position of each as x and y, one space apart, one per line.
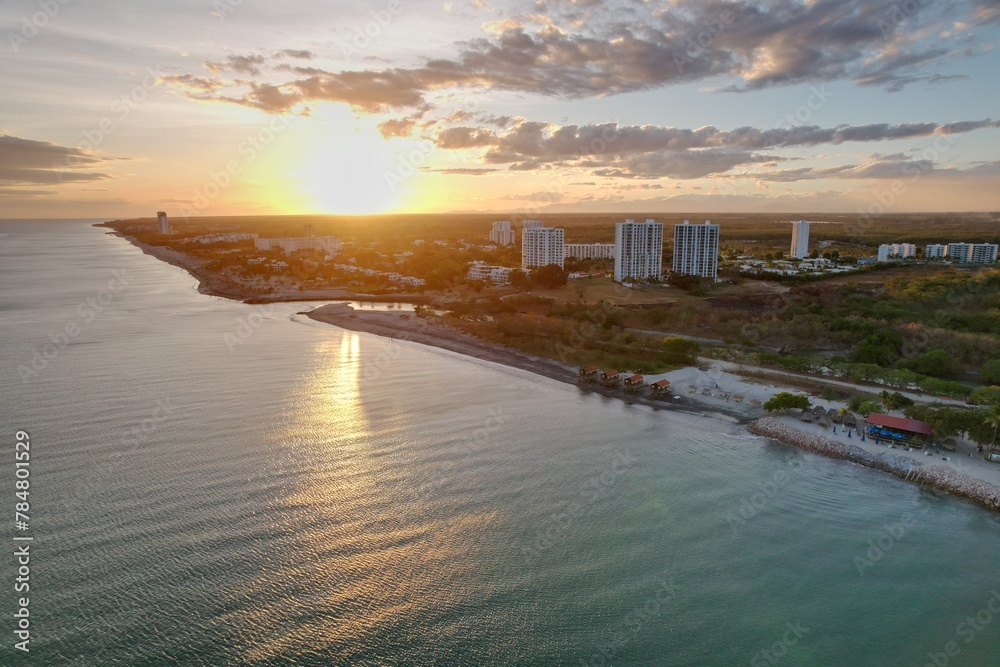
785 401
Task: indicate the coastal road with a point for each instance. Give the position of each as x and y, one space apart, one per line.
735 368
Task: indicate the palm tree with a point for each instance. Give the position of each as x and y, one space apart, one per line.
992 419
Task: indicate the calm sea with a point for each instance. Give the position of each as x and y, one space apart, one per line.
221 484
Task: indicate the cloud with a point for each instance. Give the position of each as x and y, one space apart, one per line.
653 151
30 162
461 171
753 44
879 167
296 53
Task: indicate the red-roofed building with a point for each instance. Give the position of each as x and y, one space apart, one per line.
660 386
911 431
635 382
610 377
589 373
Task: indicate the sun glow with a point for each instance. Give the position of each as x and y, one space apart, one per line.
345 173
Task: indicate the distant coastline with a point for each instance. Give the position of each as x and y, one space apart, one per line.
211 285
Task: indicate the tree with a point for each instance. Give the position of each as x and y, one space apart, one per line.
934 362
680 351
786 401
990 373
868 407
519 279
551 275
894 400
993 419
985 396
881 348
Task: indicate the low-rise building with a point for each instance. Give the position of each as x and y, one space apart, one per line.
498 275
328 244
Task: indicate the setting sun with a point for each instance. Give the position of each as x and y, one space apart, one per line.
342 170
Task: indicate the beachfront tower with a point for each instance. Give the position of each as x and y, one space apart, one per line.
696 249
541 246
161 222
800 239
638 250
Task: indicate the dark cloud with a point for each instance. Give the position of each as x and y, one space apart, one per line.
681 165
29 162
755 44
651 151
544 142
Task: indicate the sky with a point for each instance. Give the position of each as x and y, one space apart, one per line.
247 107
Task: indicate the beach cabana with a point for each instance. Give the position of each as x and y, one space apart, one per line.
659 387
807 416
589 373
634 382
611 377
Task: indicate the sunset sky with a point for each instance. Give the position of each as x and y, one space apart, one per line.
212 107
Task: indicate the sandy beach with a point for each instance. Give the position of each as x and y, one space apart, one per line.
404 326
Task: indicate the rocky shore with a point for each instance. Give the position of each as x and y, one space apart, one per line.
938 477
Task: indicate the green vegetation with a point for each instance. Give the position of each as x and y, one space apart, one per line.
786 401
990 374
573 333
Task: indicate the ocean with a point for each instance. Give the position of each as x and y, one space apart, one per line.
213 483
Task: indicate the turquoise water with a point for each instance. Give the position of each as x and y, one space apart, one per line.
215 484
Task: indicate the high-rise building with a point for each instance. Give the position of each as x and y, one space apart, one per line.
161 221
696 249
800 239
638 250
541 246
959 252
935 251
983 253
530 224
502 234
308 229
590 250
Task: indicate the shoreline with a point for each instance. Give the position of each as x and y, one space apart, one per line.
210 285
936 476
407 327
